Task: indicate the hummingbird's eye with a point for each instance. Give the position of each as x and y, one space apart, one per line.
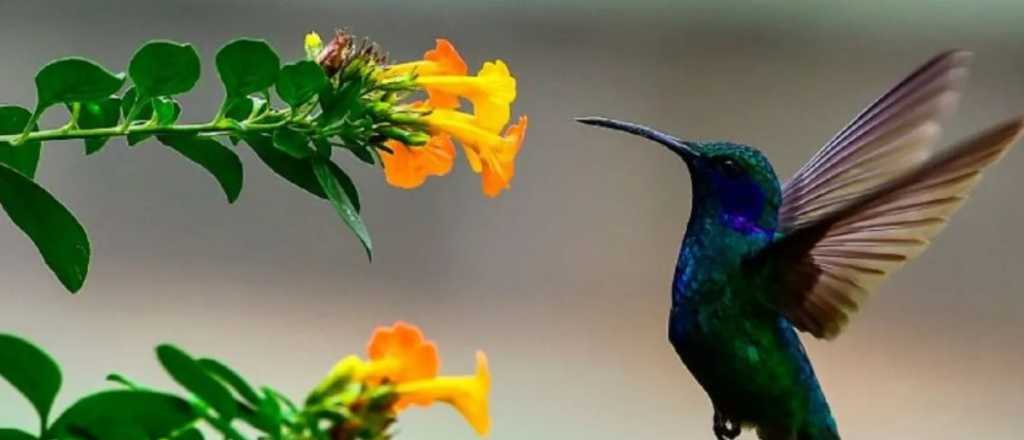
730 168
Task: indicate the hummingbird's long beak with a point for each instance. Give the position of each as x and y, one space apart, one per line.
683 149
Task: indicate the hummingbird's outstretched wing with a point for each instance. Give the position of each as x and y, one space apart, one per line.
830 265
890 137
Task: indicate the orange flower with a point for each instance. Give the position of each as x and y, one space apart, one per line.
408 167
468 394
400 353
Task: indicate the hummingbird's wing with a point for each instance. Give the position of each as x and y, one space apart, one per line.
889 138
829 266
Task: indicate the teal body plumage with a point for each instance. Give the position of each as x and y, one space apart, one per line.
744 353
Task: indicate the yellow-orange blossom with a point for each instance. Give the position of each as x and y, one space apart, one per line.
400 355
490 153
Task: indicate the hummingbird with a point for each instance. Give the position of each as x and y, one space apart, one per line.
761 260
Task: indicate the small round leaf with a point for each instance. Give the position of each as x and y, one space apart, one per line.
247 66
164 68
75 80
301 81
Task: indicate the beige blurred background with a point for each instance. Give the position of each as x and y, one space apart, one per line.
564 280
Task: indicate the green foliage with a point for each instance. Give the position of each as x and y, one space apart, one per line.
31 371
350 109
214 157
301 81
217 397
74 80
164 68
25 157
56 233
124 415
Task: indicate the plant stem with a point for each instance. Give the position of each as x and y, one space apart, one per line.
77 133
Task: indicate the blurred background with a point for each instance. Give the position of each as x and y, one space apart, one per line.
564 281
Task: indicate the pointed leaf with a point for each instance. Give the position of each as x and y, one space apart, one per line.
342 203
301 81
120 379
31 371
189 374
247 66
230 377
297 171
25 157
293 143
164 68
74 80
14 434
213 156
124 415
56 233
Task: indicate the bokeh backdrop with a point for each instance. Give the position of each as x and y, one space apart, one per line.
564 280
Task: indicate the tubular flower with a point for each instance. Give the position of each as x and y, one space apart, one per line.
491 145
468 394
490 155
491 91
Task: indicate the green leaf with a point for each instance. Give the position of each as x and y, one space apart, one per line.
56 233
128 101
103 113
301 81
247 66
74 80
230 377
293 143
164 68
124 415
31 371
219 160
166 110
188 434
189 374
342 203
120 379
297 171
25 157
15 434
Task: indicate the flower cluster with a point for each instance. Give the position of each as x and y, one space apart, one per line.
491 144
401 369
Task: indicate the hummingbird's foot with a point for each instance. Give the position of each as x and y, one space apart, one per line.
725 429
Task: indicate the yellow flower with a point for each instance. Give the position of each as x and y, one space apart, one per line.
313 45
490 155
468 394
491 91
